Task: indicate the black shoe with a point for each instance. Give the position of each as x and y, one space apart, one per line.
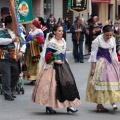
13 96
31 83
50 110
81 61
115 108
76 61
101 108
71 110
9 98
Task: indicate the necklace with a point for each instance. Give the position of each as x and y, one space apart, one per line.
58 38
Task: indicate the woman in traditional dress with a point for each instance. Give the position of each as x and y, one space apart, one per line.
42 25
55 86
104 78
34 42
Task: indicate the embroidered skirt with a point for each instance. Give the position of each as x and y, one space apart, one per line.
33 67
56 87
103 87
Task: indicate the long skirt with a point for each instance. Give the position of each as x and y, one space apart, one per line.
108 72
32 67
56 87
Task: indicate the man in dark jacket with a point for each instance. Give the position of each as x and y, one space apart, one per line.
78 31
92 31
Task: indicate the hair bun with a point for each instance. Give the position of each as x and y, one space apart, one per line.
107 28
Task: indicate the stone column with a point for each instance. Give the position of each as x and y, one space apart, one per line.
103 12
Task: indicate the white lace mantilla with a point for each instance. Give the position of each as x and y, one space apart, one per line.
100 42
61 48
37 31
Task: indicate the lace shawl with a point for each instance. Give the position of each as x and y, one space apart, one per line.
99 42
59 48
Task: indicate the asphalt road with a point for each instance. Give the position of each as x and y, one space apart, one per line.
24 109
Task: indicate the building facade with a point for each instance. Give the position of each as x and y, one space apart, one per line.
58 8
44 8
108 7
118 8
41 8
54 7
37 6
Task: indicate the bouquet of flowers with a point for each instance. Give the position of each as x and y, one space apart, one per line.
50 57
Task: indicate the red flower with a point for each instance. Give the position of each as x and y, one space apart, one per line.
39 39
48 56
118 57
28 76
12 57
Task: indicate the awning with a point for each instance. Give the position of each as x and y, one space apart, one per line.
100 1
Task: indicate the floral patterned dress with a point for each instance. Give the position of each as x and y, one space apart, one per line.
55 86
104 86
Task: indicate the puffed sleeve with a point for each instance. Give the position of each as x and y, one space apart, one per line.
94 51
114 55
5 41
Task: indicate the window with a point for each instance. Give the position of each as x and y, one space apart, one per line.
48 8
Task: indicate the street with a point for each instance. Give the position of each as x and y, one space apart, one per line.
22 108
